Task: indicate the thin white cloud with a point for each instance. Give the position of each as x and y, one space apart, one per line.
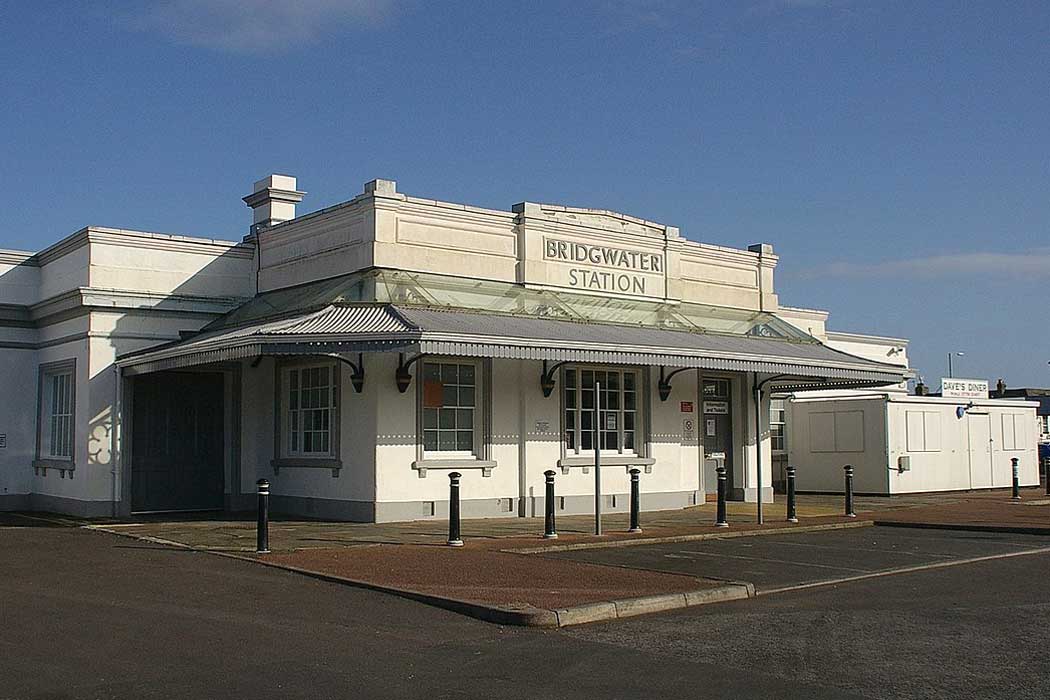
254 25
1036 261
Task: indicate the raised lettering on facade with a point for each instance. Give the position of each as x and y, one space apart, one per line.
634 261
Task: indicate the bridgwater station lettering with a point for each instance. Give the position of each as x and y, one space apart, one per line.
631 261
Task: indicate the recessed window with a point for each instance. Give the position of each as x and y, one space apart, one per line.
309 417
600 404
449 405
777 425
57 409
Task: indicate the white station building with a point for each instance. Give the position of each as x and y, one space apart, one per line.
357 355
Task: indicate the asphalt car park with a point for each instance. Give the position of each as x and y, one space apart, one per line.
776 562
87 614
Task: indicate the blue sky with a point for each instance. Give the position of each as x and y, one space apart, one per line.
896 154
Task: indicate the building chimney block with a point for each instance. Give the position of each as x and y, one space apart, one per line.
381 187
273 200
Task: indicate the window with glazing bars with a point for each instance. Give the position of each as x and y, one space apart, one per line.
618 417
449 398
58 396
310 406
777 425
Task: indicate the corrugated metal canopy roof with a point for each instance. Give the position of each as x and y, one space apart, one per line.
385 327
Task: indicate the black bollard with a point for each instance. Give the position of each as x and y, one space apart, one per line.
720 513
849 491
262 526
454 539
549 533
636 501
792 516
1046 471
1017 479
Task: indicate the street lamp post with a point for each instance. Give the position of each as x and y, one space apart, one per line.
957 354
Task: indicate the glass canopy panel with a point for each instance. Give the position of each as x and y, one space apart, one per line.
298 299
445 292
439 291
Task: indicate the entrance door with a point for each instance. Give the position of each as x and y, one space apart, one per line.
177 442
979 428
716 411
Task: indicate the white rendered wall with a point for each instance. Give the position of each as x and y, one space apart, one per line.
18 422
519 408
819 470
19 281
353 482
947 468
951 468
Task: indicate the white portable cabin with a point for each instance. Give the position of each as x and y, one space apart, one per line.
898 443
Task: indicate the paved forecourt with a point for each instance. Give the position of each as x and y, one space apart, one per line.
776 562
89 615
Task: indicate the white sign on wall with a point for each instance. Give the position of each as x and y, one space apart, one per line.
964 388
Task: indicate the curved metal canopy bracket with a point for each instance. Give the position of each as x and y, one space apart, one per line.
547 377
664 386
403 376
357 375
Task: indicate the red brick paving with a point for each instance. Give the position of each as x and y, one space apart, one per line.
988 509
481 575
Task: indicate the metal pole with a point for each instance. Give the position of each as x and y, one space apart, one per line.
792 516
262 525
1017 479
549 533
635 501
454 539
720 513
758 446
949 365
849 491
597 458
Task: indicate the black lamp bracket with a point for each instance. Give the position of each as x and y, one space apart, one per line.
547 377
403 377
665 381
357 376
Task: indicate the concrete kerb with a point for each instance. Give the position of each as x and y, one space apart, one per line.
522 616
671 539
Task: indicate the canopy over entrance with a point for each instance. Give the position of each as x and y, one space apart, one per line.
395 312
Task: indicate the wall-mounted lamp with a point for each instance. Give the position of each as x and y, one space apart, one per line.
547 378
357 371
357 376
663 388
403 377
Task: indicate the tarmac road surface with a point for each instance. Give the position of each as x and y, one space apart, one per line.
90 615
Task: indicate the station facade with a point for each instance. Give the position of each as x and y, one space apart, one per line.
357 355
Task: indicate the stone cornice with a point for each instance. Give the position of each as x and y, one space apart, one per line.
864 338
85 299
17 257
138 239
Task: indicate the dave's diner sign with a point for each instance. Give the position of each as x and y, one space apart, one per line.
964 388
606 268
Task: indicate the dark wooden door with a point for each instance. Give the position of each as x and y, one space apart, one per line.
177 442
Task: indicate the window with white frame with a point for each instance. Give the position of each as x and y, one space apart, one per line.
616 415
57 408
777 425
449 401
309 420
